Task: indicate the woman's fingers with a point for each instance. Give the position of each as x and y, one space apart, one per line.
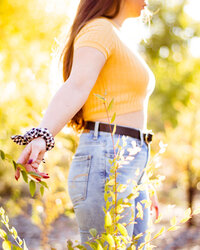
22 160
35 165
37 178
17 173
29 168
157 212
35 152
31 157
43 175
24 155
154 204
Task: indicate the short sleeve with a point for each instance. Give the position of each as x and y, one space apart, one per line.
97 34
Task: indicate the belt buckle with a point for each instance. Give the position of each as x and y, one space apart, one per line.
148 137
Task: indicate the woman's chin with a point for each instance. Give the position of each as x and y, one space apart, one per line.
135 15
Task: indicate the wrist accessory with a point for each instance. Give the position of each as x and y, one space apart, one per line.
34 133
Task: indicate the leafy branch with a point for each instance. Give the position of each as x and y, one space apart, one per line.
28 177
7 245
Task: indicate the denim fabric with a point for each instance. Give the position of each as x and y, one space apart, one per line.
86 181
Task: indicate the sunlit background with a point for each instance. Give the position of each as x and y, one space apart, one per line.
32 37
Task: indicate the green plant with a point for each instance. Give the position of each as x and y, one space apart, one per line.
28 177
115 234
7 245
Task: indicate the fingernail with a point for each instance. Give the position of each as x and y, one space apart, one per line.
30 161
45 176
38 179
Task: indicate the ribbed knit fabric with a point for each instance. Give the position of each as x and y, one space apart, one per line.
125 76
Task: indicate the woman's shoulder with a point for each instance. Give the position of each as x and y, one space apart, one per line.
99 23
98 33
98 27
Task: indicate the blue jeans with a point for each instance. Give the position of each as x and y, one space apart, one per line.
88 172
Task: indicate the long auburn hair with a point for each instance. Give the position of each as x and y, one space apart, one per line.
87 10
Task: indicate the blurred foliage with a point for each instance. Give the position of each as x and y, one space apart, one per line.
175 99
27 48
32 33
176 71
28 31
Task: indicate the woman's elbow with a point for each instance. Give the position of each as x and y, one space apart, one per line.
82 83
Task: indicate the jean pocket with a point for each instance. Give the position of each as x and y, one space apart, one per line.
129 166
78 177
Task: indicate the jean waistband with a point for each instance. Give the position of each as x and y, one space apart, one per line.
97 127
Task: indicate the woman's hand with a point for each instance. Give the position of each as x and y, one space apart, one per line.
31 158
154 203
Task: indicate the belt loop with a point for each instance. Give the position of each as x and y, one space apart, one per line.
96 128
141 138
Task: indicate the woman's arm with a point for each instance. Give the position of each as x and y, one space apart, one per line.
72 95
68 100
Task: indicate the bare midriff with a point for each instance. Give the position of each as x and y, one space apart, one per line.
136 120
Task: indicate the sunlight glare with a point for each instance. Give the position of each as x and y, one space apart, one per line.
192 9
66 7
194 46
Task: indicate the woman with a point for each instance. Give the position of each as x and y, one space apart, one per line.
97 61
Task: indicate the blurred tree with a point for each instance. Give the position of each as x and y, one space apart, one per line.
30 40
28 30
28 46
167 52
174 106
183 148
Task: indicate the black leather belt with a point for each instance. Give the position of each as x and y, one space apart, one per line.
120 130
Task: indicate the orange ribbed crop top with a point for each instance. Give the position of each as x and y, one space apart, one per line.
125 76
